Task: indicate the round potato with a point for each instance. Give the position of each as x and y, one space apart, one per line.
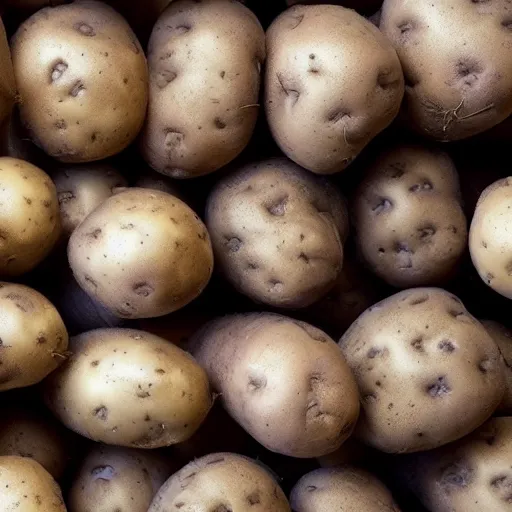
29 216
278 232
142 253
205 57
409 224
33 337
458 84
284 381
323 113
28 487
82 79
7 85
428 372
343 488
165 393
221 482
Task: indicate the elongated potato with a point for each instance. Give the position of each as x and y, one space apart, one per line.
7 85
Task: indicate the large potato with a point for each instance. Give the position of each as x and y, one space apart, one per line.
283 380
456 58
278 232
82 79
129 388
428 372
142 253
205 60
7 85
333 82
409 224
221 482
33 338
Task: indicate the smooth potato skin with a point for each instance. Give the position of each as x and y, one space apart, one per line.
205 57
166 394
7 85
84 97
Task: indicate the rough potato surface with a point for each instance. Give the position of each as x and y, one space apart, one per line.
7 85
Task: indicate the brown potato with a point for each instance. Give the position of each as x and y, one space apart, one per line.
142 253
278 232
284 381
428 372
7 85
205 57
82 79
323 113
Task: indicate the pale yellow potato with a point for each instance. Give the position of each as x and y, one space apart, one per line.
7 85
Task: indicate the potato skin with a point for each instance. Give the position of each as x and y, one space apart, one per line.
219 47
364 6
225 481
7 85
428 372
409 224
284 381
165 392
458 84
142 253
278 232
84 97
304 83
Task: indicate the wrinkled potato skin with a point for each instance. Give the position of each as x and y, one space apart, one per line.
84 97
165 392
205 57
343 488
305 81
7 85
428 372
459 84
34 337
222 480
278 232
284 381
29 215
409 224
142 253
28 487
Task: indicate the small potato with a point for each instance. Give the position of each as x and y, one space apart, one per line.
28 487
206 58
344 488
409 224
165 393
7 85
221 482
142 253
284 381
33 337
29 216
428 372
82 80
278 232
333 82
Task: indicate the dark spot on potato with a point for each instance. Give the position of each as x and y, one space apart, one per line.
457 474
183 28
278 207
390 406
405 28
233 244
91 281
27 200
41 339
275 286
77 89
160 371
103 472
507 23
370 398
376 352
489 277
485 365
257 383
60 124
58 70
252 266
439 388
253 498
426 233
101 413
142 394
303 257
292 93
95 363
94 233
424 185
143 289
22 303
222 74
222 508
484 244
311 488
84 29
219 123
468 70
216 460
180 504
295 21
446 346
382 250
65 197
94 136
418 299
165 77
384 204
417 344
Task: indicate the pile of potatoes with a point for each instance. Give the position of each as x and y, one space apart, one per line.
255 256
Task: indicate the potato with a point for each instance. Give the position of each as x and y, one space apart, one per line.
82 80
428 372
278 232
456 58
409 224
221 482
112 478
29 216
82 188
165 393
7 85
284 381
28 487
205 57
142 253
33 338
343 488
333 82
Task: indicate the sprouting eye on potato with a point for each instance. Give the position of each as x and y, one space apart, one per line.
82 79
428 372
7 85
278 232
205 60
409 224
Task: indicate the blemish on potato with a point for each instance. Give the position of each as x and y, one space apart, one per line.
233 244
94 234
77 89
485 365
253 498
84 29
417 344
278 208
58 70
446 346
219 123
424 185
165 77
383 205
60 124
275 286
103 472
217 460
427 232
439 388
101 413
295 21
457 474
293 94
256 383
